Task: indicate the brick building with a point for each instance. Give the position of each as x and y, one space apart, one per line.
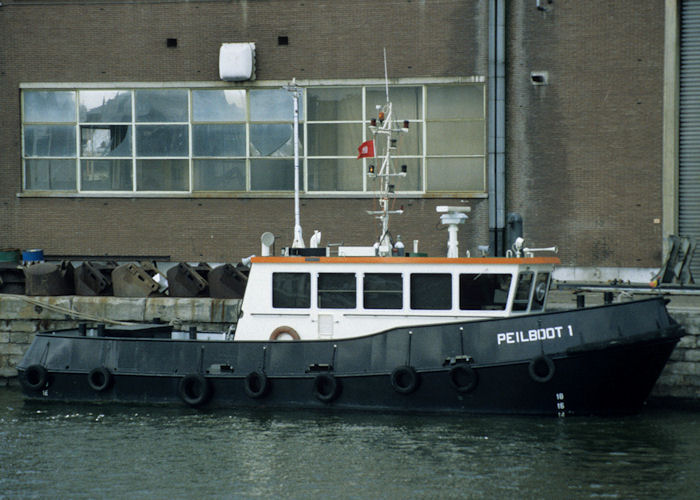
118 136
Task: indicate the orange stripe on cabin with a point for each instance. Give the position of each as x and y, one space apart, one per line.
405 260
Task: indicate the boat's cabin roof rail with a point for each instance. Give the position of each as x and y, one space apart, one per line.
408 260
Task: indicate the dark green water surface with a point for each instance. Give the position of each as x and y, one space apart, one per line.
67 451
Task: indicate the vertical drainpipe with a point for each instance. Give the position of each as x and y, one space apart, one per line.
497 126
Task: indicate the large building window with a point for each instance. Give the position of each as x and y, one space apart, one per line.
49 140
219 140
334 130
241 141
106 144
271 140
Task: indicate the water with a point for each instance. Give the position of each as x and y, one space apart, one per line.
76 452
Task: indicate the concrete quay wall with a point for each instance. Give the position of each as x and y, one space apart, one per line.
21 317
681 376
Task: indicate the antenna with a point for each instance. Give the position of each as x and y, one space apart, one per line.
386 77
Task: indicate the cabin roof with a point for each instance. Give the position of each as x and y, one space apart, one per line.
407 260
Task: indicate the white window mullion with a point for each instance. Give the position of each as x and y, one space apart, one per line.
189 141
248 168
78 180
133 141
424 140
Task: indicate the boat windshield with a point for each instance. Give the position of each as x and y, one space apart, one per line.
483 291
531 291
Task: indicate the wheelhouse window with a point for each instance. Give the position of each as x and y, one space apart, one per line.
431 291
383 291
241 140
483 291
540 294
337 291
522 293
291 290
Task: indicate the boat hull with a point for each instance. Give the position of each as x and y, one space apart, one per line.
601 360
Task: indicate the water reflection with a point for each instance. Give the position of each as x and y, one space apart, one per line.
111 451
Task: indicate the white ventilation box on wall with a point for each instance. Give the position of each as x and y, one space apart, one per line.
237 61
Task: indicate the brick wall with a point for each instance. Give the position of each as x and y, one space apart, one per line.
583 153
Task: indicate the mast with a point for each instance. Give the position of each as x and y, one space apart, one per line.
298 239
385 127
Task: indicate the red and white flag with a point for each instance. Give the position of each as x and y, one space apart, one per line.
366 149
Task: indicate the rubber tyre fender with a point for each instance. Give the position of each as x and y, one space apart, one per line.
541 369
256 385
99 379
405 379
326 387
194 389
282 330
463 378
35 377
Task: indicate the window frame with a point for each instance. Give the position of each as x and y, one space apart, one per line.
324 293
300 301
417 300
541 286
372 295
491 283
525 278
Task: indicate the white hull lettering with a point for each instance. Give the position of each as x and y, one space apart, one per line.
535 334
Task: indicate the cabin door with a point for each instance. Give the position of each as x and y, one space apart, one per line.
325 326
